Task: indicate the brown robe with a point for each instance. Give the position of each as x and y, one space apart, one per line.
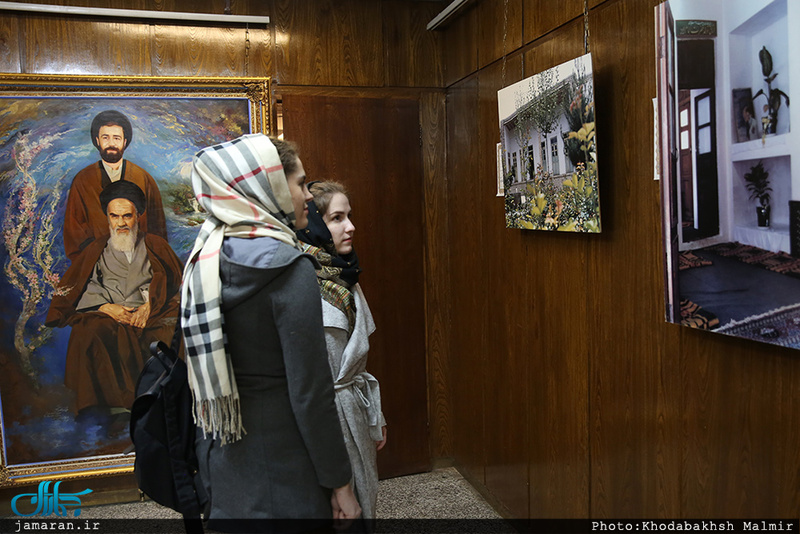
84 219
104 358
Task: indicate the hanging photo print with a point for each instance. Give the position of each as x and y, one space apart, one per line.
729 164
548 154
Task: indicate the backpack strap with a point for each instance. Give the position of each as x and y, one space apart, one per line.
184 479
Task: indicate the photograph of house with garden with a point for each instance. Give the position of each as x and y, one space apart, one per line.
549 163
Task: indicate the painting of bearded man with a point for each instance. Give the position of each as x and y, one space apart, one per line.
84 220
119 295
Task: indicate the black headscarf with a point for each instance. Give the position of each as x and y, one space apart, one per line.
318 235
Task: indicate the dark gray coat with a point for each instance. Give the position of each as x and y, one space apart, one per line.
293 452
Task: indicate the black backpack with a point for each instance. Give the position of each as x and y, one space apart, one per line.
163 435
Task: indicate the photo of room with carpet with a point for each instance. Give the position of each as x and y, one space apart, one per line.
730 207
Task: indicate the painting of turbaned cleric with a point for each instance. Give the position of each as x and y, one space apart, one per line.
548 155
98 217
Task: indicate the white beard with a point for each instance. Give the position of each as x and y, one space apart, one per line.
124 242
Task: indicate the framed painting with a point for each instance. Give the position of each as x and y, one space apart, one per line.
66 376
744 116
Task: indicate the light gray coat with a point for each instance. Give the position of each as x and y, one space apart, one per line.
358 395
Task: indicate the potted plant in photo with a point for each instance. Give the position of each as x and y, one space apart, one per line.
757 183
773 94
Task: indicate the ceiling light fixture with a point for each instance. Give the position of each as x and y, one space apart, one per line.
133 13
446 14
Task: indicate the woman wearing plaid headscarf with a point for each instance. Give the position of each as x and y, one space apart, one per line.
272 447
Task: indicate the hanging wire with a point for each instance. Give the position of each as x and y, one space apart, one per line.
246 48
505 38
585 26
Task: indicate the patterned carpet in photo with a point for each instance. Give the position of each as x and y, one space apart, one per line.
694 316
779 262
688 259
780 327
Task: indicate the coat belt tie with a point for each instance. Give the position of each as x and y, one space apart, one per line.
366 388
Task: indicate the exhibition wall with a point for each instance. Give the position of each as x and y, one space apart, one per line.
553 381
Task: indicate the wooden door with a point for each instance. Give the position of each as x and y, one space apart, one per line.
371 145
696 73
686 158
706 162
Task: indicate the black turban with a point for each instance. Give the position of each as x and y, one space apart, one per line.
111 117
123 189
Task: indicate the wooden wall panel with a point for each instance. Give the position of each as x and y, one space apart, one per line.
9 44
85 46
624 356
259 61
382 168
543 16
559 272
197 6
670 411
437 268
499 29
199 51
213 50
470 299
105 46
510 344
741 421
461 45
413 54
329 42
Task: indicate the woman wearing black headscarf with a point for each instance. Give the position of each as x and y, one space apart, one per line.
348 324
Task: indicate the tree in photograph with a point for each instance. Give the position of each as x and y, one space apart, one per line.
539 110
545 96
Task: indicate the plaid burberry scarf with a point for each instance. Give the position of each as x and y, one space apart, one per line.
241 184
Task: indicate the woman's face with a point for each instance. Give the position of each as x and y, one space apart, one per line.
300 195
337 218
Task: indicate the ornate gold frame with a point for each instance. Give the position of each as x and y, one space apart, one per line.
258 93
256 90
